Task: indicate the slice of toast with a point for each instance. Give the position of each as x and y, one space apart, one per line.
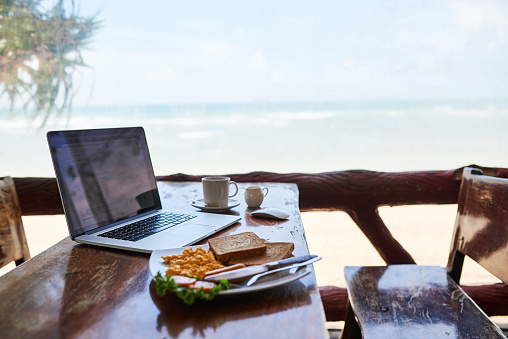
237 246
275 251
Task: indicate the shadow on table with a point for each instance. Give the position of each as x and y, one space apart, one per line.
176 317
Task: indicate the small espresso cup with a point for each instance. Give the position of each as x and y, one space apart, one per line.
216 191
254 195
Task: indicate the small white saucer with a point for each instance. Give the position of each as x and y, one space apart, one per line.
200 203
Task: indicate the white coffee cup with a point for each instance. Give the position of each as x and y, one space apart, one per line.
254 195
216 190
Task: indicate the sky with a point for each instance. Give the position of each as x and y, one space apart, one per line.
178 52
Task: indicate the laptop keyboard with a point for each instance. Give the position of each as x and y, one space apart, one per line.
147 227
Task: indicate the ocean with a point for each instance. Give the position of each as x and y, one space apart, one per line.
283 137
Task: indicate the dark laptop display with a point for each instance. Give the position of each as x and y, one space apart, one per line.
105 176
110 197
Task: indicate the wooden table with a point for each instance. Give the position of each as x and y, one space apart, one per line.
81 291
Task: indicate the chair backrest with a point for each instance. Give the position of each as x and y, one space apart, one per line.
481 227
13 245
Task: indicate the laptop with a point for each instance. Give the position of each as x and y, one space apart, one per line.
110 196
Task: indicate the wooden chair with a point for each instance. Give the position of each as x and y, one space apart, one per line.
411 301
13 245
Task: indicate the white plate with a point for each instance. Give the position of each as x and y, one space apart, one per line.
200 203
266 282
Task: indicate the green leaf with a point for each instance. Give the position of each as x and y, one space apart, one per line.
188 295
40 51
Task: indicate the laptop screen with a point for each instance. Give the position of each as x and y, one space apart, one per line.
104 176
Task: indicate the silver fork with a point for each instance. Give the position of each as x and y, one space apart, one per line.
305 263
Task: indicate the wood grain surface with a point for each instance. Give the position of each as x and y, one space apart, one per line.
74 290
410 301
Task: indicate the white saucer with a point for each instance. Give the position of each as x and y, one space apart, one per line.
200 203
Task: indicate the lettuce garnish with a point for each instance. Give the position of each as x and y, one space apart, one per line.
188 295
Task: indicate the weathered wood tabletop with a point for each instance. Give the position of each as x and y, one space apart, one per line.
75 290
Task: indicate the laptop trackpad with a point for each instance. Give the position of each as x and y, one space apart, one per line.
192 229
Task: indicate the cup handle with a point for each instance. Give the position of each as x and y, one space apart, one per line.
236 186
266 192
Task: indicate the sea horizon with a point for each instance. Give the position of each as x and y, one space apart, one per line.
220 138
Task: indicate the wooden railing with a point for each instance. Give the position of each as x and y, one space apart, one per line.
359 193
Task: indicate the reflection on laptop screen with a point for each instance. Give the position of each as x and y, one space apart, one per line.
105 176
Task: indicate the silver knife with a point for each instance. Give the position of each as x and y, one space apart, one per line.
246 272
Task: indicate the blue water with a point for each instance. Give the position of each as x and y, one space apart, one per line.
284 137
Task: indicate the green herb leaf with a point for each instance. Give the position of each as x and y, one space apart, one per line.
188 295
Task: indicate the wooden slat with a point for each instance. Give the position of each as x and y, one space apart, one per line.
482 223
341 190
38 196
13 245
